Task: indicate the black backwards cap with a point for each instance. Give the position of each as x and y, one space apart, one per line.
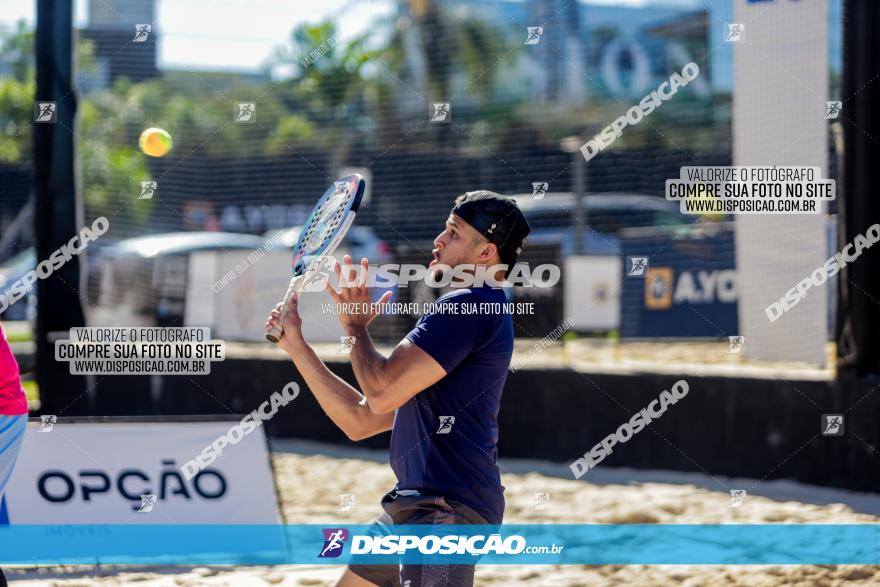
497 218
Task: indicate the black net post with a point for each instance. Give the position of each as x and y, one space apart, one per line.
57 217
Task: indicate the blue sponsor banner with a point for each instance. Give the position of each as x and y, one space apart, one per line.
678 288
521 544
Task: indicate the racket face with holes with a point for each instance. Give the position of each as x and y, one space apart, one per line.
329 221
327 224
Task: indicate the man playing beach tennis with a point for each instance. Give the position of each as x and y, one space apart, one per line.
13 420
439 391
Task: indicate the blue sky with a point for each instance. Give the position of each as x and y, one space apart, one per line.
227 34
239 35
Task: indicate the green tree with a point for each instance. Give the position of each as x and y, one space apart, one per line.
17 94
329 88
110 170
436 54
449 42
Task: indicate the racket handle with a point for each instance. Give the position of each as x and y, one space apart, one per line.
275 333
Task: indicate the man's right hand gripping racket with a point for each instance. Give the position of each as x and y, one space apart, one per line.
329 221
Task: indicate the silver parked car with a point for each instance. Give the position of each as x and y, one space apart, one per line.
142 281
552 218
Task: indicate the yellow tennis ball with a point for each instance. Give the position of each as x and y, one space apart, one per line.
155 142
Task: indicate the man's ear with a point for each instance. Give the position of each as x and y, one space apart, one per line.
489 249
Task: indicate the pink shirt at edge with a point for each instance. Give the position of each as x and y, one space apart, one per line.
12 399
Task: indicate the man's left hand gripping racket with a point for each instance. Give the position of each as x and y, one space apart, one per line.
321 234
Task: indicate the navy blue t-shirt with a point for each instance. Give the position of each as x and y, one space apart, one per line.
456 459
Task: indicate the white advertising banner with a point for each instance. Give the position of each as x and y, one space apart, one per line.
97 473
779 103
592 292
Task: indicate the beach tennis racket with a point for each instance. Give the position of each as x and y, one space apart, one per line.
330 219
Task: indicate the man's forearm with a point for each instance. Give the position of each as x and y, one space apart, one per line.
369 365
339 400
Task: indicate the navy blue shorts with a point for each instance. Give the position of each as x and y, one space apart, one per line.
419 509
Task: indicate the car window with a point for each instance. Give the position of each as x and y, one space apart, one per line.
670 218
24 259
547 219
612 220
609 220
